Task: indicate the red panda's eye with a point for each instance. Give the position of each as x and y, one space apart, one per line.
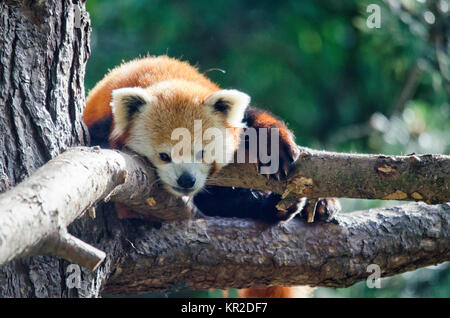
164 157
200 155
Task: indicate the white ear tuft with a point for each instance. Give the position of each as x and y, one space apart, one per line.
125 103
230 103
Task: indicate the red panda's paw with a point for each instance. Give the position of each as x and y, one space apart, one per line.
283 148
282 167
283 154
323 209
289 154
295 207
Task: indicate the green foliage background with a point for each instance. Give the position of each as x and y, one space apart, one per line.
339 84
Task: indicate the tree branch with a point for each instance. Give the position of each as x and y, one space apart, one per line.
72 249
95 174
321 174
224 253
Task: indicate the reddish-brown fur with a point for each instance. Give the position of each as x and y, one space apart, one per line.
148 71
140 73
276 292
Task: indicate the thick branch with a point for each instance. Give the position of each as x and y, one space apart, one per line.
224 253
322 174
52 198
62 189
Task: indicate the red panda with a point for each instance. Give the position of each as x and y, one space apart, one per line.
140 103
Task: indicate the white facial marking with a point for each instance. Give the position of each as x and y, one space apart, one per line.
140 141
171 172
237 103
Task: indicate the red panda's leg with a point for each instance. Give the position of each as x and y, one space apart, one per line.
323 209
277 292
288 150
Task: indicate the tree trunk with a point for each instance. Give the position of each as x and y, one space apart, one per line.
43 51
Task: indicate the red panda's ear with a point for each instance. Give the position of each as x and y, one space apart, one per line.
230 103
125 103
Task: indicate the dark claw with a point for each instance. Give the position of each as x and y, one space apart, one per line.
288 150
288 156
296 208
324 209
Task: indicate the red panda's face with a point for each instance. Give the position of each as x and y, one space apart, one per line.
186 131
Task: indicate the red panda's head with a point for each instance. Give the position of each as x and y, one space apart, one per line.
186 130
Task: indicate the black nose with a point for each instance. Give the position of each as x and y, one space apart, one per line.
186 180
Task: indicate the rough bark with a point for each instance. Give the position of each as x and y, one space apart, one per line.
42 60
94 175
321 173
208 252
97 174
43 51
223 253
